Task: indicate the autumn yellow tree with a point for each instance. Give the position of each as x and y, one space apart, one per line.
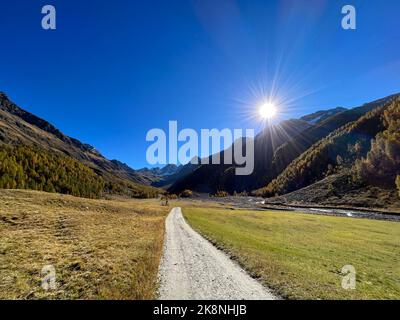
398 184
382 163
30 167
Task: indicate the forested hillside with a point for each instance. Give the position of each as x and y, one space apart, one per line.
36 155
18 126
31 167
381 166
368 148
299 144
28 167
275 149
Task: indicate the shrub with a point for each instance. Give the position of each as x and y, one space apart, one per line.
186 194
221 194
240 194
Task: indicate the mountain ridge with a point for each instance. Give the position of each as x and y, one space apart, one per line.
273 155
321 115
211 178
18 126
351 166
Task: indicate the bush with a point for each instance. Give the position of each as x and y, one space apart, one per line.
221 194
186 194
240 194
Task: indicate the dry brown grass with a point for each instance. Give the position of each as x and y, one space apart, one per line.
101 249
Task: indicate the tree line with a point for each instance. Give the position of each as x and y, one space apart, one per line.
30 167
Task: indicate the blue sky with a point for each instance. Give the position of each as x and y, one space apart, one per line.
115 69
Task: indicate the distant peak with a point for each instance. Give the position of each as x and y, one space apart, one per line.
171 165
321 115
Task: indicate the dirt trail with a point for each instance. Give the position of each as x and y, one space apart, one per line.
192 268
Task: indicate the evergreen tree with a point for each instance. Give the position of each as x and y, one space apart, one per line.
29 167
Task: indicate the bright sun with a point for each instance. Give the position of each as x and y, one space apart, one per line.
267 110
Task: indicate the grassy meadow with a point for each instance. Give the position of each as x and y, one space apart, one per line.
111 249
100 249
300 256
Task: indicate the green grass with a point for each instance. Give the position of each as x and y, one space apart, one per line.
300 256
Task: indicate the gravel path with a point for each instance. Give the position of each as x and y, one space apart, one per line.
192 268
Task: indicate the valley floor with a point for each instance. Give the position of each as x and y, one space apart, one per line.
99 249
111 249
301 256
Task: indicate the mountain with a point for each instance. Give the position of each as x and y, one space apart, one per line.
360 159
296 146
122 169
275 148
319 116
20 127
211 178
182 171
164 177
167 170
